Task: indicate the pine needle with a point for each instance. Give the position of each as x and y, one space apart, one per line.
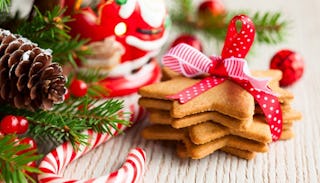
67 121
14 167
4 5
50 31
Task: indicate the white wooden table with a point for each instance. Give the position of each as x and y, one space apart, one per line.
296 160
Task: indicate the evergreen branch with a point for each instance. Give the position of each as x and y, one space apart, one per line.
4 5
68 120
50 30
270 27
14 165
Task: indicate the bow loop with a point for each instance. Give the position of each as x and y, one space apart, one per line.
237 44
187 60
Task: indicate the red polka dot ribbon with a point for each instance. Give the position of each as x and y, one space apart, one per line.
231 65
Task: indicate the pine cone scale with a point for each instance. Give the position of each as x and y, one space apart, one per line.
35 68
4 61
13 46
22 67
21 84
14 57
3 48
3 75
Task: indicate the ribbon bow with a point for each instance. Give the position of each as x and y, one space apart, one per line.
231 65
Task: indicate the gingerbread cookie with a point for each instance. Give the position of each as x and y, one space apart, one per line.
196 151
225 117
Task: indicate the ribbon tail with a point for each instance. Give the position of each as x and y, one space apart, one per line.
191 92
270 106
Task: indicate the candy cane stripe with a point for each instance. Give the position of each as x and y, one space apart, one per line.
54 163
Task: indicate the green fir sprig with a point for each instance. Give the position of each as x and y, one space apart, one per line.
4 5
67 121
50 30
270 26
14 165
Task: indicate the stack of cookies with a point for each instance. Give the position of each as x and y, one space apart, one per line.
225 117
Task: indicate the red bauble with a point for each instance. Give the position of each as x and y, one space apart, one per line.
214 7
78 88
23 125
290 63
188 39
9 124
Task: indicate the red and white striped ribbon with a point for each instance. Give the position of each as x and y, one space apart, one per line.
54 163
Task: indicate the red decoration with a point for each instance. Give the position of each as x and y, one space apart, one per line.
14 124
54 163
28 141
130 32
9 124
67 95
290 63
214 7
125 85
230 65
131 22
78 88
32 164
23 125
188 39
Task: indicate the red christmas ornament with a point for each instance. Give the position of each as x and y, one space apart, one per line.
78 88
214 7
23 125
188 39
290 63
9 124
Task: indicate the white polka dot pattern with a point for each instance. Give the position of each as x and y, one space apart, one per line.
238 43
231 65
270 106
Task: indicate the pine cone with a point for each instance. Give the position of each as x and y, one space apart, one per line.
28 78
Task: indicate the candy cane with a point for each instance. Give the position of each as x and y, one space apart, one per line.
54 163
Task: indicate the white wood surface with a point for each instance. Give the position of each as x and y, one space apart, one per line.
296 160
